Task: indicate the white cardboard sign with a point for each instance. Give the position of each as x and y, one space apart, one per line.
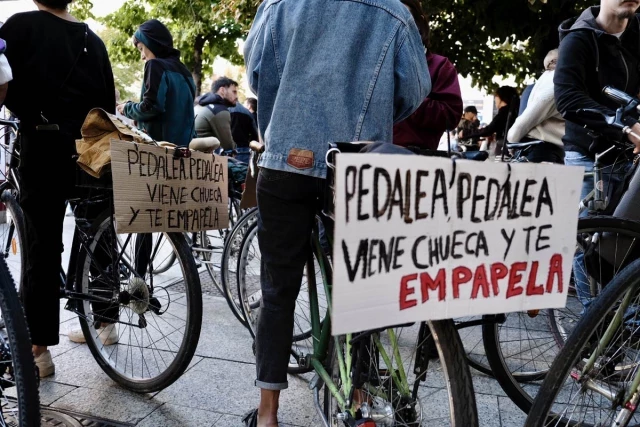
421 238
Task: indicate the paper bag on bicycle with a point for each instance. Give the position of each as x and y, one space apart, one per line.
94 149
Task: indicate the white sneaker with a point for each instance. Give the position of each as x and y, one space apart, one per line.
108 335
45 365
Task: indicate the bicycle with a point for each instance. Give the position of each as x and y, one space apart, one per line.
109 281
366 375
12 237
19 400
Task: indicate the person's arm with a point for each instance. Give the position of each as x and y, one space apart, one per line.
108 102
570 83
412 79
5 72
154 97
5 77
498 122
221 123
537 111
443 107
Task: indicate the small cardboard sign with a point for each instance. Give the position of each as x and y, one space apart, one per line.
423 238
154 191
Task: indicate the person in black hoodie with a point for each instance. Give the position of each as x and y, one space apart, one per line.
61 71
213 117
599 48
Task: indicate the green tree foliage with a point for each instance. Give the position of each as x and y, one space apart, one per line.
199 32
483 38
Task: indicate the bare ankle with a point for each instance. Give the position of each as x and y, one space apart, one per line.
268 410
37 350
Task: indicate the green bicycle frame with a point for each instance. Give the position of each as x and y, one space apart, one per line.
321 335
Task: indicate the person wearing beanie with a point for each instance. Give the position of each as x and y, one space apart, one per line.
165 110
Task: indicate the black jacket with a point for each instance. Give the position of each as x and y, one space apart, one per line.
498 125
590 59
243 126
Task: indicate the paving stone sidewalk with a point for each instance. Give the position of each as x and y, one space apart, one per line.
216 389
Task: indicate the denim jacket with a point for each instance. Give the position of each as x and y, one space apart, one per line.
332 70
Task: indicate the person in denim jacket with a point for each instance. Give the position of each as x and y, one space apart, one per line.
324 71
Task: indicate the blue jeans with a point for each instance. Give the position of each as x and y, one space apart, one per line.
612 178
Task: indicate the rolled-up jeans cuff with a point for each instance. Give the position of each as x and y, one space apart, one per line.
271 386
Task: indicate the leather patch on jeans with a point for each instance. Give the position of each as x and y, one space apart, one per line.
300 159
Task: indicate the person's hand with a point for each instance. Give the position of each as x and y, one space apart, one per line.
635 138
120 108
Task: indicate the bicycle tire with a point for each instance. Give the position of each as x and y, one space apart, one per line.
230 289
511 382
458 379
194 322
9 199
20 348
166 265
454 361
628 278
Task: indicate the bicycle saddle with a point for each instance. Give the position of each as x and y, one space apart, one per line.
205 145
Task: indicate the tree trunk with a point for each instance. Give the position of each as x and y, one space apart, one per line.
197 63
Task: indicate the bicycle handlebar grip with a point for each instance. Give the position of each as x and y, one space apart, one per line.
256 146
617 95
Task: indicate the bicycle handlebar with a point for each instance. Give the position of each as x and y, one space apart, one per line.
11 123
619 96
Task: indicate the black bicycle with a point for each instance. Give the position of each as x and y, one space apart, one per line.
19 401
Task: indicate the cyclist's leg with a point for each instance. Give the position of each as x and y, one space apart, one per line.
103 255
574 158
41 292
143 248
287 203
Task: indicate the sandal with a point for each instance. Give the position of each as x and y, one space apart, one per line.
250 419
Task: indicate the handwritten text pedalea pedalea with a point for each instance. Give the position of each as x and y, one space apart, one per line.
376 193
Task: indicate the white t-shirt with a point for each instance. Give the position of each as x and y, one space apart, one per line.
5 70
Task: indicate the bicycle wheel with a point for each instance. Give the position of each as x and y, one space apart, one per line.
167 258
250 292
438 392
212 245
471 336
157 318
522 346
20 404
13 237
571 396
229 265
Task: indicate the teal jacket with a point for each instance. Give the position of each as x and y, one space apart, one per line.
166 108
